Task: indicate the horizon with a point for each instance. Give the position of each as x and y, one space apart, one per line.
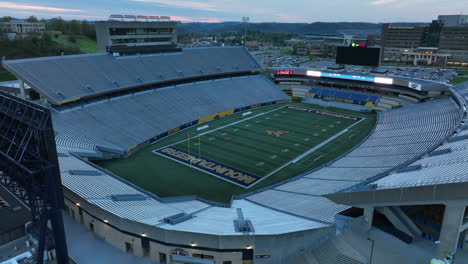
261 11
238 22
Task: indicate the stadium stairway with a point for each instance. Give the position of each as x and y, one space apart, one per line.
386 103
300 91
333 251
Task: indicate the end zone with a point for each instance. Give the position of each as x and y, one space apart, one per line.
217 169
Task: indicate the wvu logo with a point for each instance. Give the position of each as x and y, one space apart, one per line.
276 133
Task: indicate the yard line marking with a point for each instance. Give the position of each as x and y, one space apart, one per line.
305 154
230 124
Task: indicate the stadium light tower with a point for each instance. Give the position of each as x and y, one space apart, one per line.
245 20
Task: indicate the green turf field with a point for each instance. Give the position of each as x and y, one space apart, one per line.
262 145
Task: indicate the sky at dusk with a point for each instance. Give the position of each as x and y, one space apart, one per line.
307 11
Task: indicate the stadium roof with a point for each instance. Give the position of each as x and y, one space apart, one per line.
69 78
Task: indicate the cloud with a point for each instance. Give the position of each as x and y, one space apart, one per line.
184 4
382 2
190 19
19 6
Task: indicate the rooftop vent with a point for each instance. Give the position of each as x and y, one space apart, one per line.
116 84
177 218
365 187
440 152
410 168
241 225
460 138
85 172
128 197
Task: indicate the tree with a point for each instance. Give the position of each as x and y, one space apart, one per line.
32 19
74 27
57 24
6 19
88 29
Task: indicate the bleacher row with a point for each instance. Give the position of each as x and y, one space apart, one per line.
68 78
446 164
121 123
433 122
346 96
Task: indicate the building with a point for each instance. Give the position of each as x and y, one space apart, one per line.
454 41
120 34
397 40
454 20
426 56
22 27
442 42
325 45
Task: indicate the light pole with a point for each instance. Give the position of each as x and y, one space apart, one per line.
245 20
372 249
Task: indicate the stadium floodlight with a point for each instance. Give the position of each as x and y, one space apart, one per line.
245 20
314 73
383 80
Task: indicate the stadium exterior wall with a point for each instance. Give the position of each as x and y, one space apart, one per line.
130 236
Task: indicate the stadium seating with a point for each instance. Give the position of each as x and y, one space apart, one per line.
345 96
447 167
400 135
68 78
123 122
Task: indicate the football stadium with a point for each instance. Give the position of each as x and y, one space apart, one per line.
198 155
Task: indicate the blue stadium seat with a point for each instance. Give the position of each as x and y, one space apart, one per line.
343 95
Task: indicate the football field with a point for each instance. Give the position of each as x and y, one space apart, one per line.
245 151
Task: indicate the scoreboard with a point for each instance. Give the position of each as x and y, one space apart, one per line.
358 55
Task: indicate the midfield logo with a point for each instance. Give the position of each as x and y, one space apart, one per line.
276 133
